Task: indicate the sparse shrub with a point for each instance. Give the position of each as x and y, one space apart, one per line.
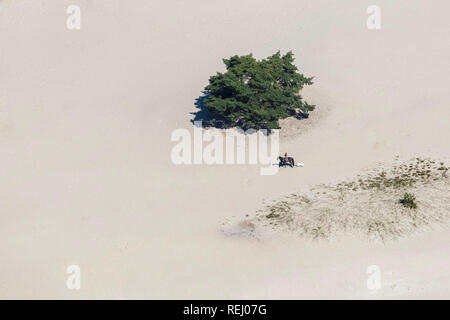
408 201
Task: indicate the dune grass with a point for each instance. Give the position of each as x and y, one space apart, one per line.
369 204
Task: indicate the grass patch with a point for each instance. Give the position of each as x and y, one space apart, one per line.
368 204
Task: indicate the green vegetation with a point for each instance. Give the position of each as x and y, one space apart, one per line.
256 94
399 176
408 201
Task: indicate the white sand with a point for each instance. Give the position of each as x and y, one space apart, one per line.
85 124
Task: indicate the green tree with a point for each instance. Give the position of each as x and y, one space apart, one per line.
256 94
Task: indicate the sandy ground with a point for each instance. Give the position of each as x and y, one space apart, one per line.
85 122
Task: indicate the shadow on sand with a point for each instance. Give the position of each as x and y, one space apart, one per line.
211 121
202 114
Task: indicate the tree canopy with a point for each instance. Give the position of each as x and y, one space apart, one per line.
256 94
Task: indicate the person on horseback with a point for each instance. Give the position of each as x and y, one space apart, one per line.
286 161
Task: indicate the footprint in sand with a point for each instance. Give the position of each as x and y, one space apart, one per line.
246 229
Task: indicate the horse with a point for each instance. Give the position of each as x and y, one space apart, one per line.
286 161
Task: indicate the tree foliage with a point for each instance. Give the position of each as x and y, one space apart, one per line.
256 94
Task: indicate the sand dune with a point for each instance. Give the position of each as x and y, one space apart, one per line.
86 175
369 205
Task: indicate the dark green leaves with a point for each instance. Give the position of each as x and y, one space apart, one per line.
256 94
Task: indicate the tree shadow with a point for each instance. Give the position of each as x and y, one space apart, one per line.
298 114
208 120
202 114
